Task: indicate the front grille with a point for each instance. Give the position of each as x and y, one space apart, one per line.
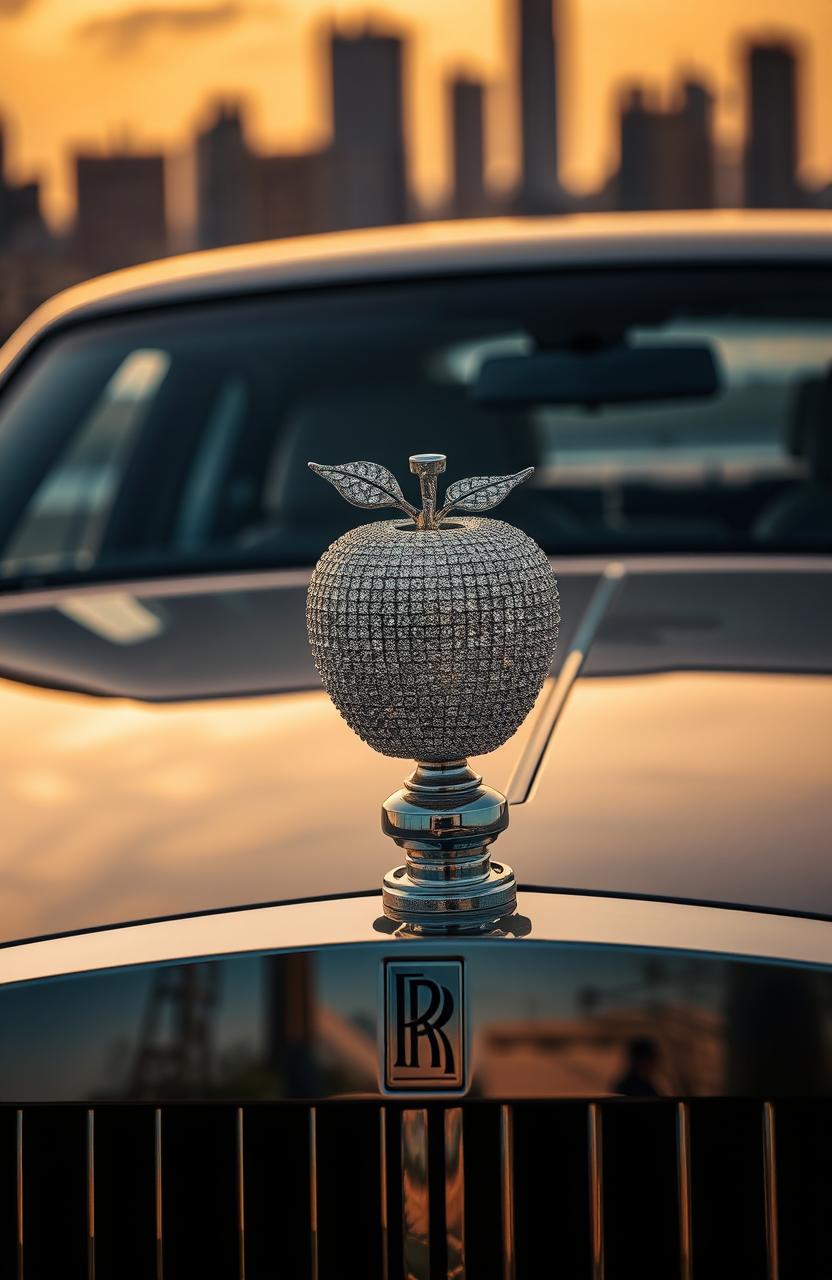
611 1189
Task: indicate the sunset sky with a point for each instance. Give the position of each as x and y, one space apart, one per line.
97 72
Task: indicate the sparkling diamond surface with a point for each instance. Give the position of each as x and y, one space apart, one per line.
433 644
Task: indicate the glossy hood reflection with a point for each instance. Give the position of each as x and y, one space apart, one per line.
658 779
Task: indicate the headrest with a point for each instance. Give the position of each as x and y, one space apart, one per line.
819 437
803 408
384 424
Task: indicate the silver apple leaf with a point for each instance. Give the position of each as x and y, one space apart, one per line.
365 484
481 493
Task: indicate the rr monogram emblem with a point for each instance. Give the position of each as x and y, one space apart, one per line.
424 1038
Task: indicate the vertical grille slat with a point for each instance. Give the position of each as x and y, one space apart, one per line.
454 1194
90 1194
507 1190
313 1190
468 1191
683 1189
241 1196
596 1189
770 1185
415 1194
383 1191
157 1191
11 1135
19 1190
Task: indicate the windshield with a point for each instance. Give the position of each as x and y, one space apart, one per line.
178 440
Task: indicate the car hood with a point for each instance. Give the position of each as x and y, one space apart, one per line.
167 749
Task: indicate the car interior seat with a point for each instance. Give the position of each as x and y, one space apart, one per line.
803 515
302 514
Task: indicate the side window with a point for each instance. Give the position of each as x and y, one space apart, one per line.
65 520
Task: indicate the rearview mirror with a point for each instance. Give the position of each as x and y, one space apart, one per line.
606 375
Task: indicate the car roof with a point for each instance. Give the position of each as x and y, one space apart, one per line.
427 249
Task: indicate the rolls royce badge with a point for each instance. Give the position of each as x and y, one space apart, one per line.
424 1034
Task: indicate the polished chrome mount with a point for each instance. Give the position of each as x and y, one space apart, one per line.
445 819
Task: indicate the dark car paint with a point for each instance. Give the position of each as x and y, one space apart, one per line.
690 760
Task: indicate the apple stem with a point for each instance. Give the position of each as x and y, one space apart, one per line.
427 466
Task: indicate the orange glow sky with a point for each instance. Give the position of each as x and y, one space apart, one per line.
92 72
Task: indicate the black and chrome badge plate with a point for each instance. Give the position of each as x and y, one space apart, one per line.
424 1025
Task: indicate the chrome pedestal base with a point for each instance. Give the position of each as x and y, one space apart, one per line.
445 819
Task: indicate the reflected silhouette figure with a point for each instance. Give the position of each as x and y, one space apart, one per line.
639 1078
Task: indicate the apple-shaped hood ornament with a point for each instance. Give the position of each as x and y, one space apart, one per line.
433 636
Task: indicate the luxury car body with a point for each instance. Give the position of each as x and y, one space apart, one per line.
202 1002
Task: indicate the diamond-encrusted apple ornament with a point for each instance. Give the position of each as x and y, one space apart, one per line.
433 635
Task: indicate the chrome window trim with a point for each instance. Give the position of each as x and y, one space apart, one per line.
542 917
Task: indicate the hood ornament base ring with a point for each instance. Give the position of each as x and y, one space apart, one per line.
445 820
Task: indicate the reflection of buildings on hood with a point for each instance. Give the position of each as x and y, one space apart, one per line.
778 1032
586 1056
348 1053
175 1051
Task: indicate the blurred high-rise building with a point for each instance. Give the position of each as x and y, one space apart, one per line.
225 180
33 263
667 156
467 103
20 215
537 74
368 149
293 194
636 165
728 192
770 168
121 210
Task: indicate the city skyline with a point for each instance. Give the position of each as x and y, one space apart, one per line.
360 173
289 37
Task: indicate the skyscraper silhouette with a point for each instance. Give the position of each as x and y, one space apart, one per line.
667 156
369 169
467 101
537 48
224 180
770 168
20 215
121 210
292 194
